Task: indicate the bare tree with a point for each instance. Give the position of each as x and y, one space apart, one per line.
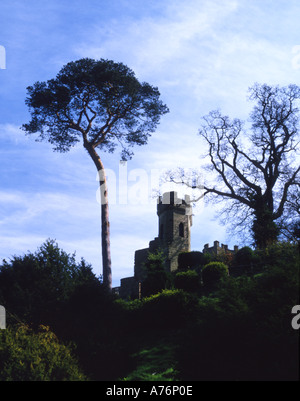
256 165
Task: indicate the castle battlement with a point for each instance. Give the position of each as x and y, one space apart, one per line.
216 249
174 236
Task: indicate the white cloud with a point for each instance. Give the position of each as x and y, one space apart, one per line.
15 245
207 53
13 133
159 43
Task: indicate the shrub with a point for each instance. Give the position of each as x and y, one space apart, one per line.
29 356
187 281
245 261
167 309
252 316
157 278
281 254
36 286
191 260
244 255
214 272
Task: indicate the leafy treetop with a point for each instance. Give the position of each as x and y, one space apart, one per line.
102 101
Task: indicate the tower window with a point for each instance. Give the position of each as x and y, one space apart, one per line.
161 232
181 230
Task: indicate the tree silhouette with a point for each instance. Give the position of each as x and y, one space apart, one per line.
36 286
103 104
261 179
256 167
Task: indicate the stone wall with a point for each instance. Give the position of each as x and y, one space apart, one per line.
216 249
174 225
174 236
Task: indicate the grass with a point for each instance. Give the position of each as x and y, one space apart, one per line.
155 363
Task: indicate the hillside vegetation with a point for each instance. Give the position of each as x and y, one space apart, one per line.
222 320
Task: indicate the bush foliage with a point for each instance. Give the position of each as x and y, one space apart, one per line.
157 278
237 329
192 260
213 272
188 281
26 355
37 286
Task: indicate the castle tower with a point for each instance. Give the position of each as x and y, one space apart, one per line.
174 236
174 226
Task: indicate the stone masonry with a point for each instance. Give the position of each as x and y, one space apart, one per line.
216 249
174 236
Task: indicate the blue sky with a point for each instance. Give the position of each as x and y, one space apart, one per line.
202 55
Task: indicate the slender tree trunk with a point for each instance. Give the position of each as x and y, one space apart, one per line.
105 232
105 226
